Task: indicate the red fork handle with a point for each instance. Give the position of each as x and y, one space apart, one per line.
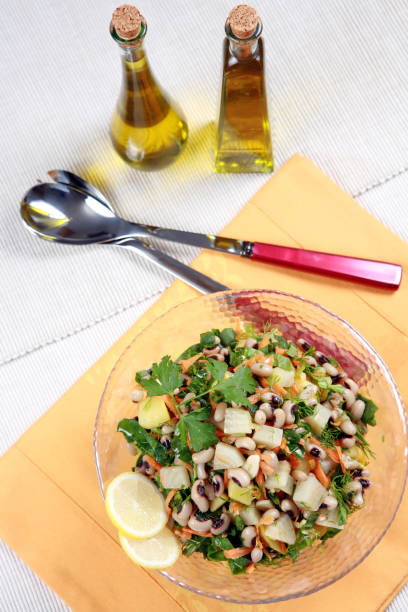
365 270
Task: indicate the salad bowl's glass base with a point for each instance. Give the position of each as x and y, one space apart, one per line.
180 327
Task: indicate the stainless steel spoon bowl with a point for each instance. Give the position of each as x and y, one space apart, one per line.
62 213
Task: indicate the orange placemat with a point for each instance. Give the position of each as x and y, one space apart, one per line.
51 511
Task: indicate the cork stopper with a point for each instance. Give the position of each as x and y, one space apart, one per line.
127 20
243 20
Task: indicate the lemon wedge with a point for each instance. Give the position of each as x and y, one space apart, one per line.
135 505
158 552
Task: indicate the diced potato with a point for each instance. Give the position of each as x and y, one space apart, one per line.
331 520
309 493
301 381
251 465
243 495
152 412
285 378
282 481
217 502
282 530
250 515
237 421
174 477
274 544
227 456
319 419
271 437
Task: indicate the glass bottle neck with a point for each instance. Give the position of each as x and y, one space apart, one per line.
243 48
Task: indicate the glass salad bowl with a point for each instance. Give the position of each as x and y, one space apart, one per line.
180 327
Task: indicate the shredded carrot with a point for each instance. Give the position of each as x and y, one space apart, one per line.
179 532
264 383
152 462
170 405
266 468
250 362
254 398
283 547
321 476
225 478
278 389
187 363
266 457
295 362
290 426
339 453
260 481
235 507
250 568
235 553
294 390
294 461
169 497
220 433
263 342
284 445
332 454
279 350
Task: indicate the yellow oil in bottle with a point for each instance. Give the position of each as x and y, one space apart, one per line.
243 142
146 130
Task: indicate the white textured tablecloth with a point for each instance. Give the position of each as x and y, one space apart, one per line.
338 94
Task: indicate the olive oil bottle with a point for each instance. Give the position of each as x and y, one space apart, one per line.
243 142
146 129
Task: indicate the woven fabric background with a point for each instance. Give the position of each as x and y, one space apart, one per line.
337 94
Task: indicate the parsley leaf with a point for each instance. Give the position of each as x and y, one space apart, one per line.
281 341
238 566
303 410
207 340
201 434
217 369
283 362
370 409
227 336
192 350
134 432
293 439
292 351
164 379
179 443
238 386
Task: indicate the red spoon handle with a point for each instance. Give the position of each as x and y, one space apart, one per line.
340 266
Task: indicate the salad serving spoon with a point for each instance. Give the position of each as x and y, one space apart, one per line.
62 213
364 270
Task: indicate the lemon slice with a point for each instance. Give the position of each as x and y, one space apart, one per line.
156 553
135 505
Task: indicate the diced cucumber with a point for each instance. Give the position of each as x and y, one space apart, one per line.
227 456
250 515
251 465
152 412
282 481
217 502
285 378
237 421
319 419
174 477
309 493
331 520
243 495
282 530
271 437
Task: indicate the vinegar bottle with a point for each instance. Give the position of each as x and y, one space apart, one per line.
146 130
243 142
